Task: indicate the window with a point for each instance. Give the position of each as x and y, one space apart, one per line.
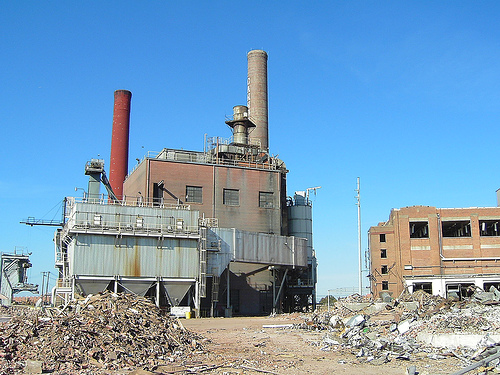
231 197
384 270
382 237
456 228
489 227
158 194
426 287
194 194
266 200
419 229
487 286
385 285
459 291
383 253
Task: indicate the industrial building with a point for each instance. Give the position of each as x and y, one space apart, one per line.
14 276
443 251
212 230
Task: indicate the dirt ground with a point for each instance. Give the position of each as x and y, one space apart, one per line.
243 346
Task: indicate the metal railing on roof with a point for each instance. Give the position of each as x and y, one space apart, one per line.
129 224
211 156
130 201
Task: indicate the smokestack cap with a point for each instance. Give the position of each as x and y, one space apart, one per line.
257 52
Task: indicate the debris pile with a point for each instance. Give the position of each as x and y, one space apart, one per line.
101 333
396 329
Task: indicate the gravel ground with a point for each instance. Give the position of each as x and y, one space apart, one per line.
243 346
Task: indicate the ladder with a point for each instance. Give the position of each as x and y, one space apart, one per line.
203 262
215 288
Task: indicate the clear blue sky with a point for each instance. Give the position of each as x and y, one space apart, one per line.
403 94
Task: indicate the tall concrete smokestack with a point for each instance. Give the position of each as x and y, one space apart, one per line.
257 96
119 141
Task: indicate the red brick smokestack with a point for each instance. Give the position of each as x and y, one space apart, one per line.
119 141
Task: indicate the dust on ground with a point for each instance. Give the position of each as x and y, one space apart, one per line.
243 346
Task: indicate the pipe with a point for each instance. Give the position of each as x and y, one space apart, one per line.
257 99
468 259
480 363
119 141
228 287
273 273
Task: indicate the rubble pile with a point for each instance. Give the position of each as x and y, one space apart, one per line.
471 319
356 298
101 333
427 304
393 331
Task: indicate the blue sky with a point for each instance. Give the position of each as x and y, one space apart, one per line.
403 94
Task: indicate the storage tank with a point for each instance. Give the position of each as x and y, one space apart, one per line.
300 220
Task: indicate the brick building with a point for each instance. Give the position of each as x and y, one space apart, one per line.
249 194
439 250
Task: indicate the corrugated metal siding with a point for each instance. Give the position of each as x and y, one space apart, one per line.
133 256
262 248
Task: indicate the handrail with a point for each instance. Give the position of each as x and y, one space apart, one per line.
130 201
92 221
210 158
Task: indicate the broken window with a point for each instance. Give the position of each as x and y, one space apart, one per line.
194 194
460 291
385 285
384 270
426 287
489 227
383 253
419 229
487 286
382 237
459 228
231 197
266 200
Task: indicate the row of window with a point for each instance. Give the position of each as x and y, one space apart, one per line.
230 197
458 228
461 290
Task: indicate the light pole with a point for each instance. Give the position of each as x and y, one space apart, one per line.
358 203
84 192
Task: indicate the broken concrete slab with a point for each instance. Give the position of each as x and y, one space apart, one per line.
454 340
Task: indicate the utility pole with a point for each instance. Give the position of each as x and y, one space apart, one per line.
45 285
358 203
